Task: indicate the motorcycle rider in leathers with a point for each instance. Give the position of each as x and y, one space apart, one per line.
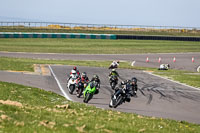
83 77
114 64
114 73
132 91
97 80
73 71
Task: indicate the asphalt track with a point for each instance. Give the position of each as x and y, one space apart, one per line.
156 96
183 60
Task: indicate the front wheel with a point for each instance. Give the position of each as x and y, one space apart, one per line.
111 103
79 92
118 101
113 85
87 97
71 89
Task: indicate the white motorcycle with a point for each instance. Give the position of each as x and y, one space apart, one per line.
71 85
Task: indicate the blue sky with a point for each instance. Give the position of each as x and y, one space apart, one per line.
123 12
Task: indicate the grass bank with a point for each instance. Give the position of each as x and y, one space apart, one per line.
26 109
22 64
96 46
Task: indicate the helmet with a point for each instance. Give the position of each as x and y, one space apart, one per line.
113 70
134 80
73 72
96 77
84 74
75 68
117 61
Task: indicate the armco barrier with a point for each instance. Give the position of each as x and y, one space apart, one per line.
92 36
56 35
158 38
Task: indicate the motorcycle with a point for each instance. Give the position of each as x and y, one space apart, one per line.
120 98
113 81
88 93
71 85
80 87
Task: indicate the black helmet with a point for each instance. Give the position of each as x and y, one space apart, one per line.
134 80
84 74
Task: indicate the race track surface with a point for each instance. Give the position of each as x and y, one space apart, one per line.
156 96
47 83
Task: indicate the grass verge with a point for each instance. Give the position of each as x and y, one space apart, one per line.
22 64
26 109
96 46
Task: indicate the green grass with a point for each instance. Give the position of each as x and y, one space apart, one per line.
186 77
97 46
22 64
160 33
38 113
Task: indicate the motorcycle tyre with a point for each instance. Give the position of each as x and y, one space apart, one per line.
79 92
113 85
118 101
88 96
71 89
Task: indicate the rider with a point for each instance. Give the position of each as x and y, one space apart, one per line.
114 64
97 82
83 77
134 86
74 71
113 73
164 67
130 91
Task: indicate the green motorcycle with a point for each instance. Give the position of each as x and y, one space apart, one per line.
89 91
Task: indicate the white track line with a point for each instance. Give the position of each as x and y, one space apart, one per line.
59 85
172 81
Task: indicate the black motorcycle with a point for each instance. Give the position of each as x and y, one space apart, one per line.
113 81
120 96
80 88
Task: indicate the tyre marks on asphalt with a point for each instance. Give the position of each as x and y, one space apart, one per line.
156 96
